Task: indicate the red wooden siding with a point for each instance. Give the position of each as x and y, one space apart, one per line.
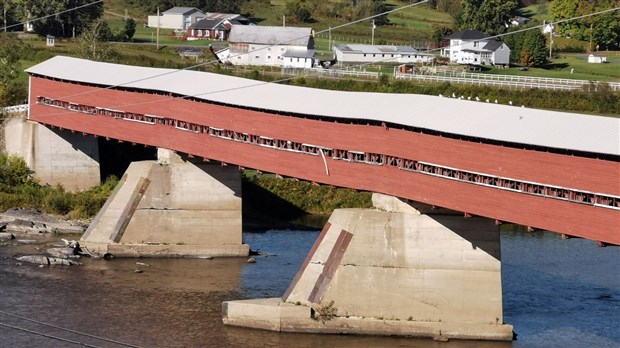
573 172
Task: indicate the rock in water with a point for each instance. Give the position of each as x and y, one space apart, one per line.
36 259
44 260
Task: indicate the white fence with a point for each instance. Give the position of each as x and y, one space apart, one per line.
510 81
15 109
330 72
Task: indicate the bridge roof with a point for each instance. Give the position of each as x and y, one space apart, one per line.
513 124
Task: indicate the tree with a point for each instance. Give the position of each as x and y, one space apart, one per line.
439 32
9 60
489 16
93 42
565 9
130 29
533 49
296 12
65 24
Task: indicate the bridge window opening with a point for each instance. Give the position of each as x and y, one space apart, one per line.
572 195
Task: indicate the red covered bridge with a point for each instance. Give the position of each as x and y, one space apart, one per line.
547 170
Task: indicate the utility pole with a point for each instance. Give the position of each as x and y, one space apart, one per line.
158 20
5 8
329 41
551 29
372 38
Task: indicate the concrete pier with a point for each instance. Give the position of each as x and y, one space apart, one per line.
396 270
57 157
171 208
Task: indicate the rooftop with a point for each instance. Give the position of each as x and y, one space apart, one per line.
181 10
292 36
377 49
513 124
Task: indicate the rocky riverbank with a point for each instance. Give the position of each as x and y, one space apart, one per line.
40 237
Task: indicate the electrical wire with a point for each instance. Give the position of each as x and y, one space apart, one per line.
99 89
252 51
48 336
69 330
51 15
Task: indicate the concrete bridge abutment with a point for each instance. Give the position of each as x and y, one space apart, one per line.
396 270
171 208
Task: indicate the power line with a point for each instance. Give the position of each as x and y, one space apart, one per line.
291 78
48 336
68 330
51 15
252 51
538 26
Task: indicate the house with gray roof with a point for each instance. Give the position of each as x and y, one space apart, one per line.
272 46
178 18
474 47
354 53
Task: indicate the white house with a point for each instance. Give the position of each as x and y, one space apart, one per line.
178 18
272 46
474 47
353 53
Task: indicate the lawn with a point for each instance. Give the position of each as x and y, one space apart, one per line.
573 66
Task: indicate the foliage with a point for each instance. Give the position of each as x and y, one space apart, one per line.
93 42
534 49
488 16
9 60
449 6
603 30
129 30
325 313
64 24
317 199
222 6
19 189
296 12
439 32
349 10
13 172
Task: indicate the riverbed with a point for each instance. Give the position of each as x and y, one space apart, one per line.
557 293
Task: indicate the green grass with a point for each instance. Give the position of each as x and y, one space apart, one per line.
578 63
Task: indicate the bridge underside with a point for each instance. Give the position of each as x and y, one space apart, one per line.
574 195
396 272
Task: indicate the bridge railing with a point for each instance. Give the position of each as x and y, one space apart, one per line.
15 109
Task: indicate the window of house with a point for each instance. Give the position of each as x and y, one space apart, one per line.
256 57
364 54
475 43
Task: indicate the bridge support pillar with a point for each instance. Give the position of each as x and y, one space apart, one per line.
168 208
57 157
396 270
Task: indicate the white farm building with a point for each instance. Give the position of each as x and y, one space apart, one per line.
354 53
273 46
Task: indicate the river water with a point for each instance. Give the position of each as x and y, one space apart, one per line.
557 293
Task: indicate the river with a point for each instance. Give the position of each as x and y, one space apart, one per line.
557 293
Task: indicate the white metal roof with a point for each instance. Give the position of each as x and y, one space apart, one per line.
291 36
515 124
